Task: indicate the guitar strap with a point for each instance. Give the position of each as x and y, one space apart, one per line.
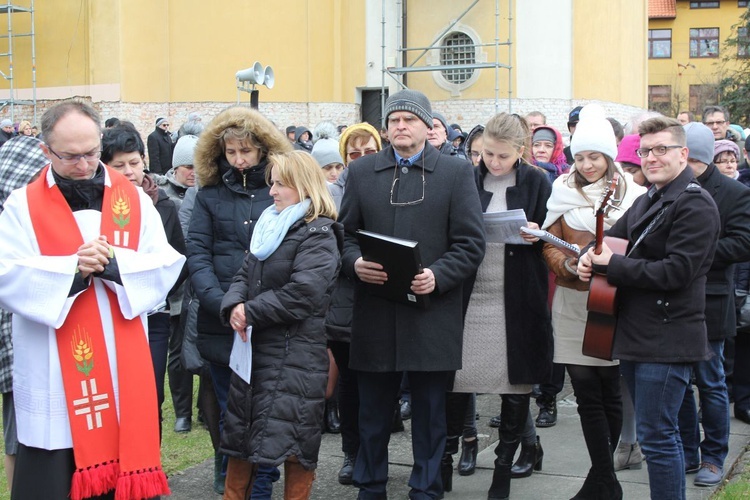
690 187
651 225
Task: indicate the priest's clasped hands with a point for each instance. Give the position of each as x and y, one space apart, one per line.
94 256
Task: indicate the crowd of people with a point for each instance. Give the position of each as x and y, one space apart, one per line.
126 260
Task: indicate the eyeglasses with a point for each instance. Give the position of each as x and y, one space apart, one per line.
393 186
74 159
353 155
475 154
717 123
727 160
657 150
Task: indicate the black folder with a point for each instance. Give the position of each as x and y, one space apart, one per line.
400 259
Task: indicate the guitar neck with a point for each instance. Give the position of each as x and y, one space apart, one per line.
599 232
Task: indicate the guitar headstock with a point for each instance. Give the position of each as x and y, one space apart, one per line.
607 196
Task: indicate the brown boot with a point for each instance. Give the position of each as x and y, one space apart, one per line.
239 482
297 480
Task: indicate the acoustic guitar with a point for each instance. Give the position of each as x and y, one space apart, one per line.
599 336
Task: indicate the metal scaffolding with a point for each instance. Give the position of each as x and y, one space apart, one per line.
398 74
9 8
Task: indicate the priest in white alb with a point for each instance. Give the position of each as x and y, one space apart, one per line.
84 258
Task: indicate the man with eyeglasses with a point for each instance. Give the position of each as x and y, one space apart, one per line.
160 148
84 260
671 233
717 119
409 190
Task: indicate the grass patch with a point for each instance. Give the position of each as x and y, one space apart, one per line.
178 451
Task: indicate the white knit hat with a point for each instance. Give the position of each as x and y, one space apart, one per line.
183 151
594 133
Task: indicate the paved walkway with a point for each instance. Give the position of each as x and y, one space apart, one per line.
565 465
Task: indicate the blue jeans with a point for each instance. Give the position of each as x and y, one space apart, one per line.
657 390
712 390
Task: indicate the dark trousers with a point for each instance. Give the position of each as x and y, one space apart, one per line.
741 385
45 475
551 389
158 341
348 398
377 393
460 414
180 380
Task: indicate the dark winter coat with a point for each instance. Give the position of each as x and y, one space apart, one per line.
662 284
733 201
528 326
225 211
160 147
388 336
281 413
339 316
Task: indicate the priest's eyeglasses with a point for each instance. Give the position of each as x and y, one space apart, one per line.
90 157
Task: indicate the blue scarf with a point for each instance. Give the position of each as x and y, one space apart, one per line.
272 226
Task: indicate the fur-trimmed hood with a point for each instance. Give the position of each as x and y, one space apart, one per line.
208 149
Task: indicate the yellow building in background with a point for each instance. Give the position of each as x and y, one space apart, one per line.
686 44
141 59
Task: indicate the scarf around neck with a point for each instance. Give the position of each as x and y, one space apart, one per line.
272 226
566 201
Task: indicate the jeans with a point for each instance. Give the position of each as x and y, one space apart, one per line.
657 390
712 390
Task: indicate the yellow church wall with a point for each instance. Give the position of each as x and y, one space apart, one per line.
610 51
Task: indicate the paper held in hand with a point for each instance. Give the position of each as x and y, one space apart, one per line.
567 248
505 227
241 357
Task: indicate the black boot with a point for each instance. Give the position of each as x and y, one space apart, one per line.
515 409
333 424
446 463
468 461
397 425
446 472
219 473
547 412
529 460
347 469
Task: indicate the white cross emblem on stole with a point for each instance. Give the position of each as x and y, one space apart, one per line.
122 241
93 404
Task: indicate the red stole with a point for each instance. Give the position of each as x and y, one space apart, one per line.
109 454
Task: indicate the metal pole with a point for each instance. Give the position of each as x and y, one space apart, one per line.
497 55
510 56
382 69
10 60
33 61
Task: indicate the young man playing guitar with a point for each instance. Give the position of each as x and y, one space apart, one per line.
672 233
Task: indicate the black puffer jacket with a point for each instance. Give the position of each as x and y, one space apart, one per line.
225 212
285 297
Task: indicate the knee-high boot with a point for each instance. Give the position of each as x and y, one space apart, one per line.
239 479
297 480
515 408
592 390
446 463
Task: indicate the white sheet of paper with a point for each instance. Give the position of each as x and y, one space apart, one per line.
241 357
505 227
